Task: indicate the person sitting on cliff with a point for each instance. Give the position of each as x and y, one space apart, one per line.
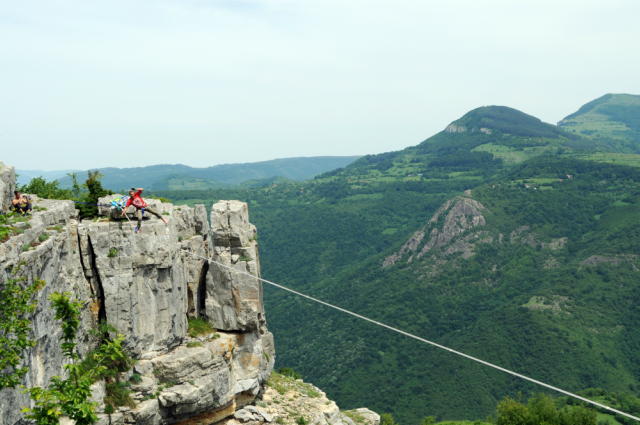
135 199
21 203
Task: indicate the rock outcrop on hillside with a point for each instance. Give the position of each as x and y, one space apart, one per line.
453 234
457 215
147 286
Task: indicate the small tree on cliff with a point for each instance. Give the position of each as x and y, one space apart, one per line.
69 397
94 191
15 304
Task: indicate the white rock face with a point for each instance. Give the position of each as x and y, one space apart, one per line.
452 128
234 295
289 400
147 285
57 261
7 186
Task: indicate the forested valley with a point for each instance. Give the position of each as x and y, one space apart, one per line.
545 283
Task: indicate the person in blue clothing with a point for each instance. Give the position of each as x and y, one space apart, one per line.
136 200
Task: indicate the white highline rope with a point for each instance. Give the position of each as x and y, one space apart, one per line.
413 336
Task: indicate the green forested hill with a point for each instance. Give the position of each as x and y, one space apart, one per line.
508 120
532 265
614 116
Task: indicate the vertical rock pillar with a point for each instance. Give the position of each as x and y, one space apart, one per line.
233 294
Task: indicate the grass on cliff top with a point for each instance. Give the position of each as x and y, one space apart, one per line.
355 416
198 327
283 384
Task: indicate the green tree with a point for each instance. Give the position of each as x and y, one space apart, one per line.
44 189
512 412
579 415
69 397
429 420
95 191
387 419
75 187
15 303
543 409
86 194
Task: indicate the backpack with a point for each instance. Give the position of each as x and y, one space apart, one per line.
120 202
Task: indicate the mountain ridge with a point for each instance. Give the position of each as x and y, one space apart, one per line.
612 116
299 168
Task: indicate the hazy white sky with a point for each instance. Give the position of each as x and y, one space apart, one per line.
133 83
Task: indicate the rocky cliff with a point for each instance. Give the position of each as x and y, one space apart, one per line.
453 218
453 232
7 185
148 286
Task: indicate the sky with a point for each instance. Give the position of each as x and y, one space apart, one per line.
134 83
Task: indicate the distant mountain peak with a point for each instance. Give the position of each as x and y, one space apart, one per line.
488 119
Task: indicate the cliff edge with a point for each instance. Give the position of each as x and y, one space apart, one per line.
148 286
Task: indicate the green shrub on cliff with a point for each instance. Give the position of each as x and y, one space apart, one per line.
16 301
290 373
118 394
199 326
94 191
70 397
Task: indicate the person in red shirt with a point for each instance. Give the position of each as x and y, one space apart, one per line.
136 200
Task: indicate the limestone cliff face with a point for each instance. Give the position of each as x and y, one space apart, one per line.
147 286
57 261
7 185
236 252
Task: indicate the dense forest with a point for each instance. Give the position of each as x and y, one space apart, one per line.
565 315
